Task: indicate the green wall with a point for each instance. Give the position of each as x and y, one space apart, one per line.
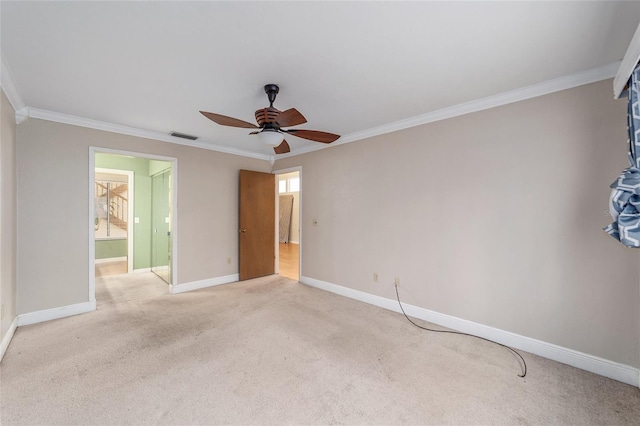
142 170
157 166
106 249
140 166
142 230
160 211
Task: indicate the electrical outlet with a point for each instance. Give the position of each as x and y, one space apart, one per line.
228 261
398 281
2 311
375 277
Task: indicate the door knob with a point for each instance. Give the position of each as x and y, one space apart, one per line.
242 230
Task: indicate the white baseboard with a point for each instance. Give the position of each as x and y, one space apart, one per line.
55 313
195 285
111 259
7 337
141 270
594 364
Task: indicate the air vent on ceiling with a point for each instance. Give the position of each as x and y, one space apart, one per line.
183 136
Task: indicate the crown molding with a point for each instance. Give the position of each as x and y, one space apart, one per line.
528 92
9 86
629 62
22 114
132 131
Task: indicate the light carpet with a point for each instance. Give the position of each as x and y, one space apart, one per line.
273 351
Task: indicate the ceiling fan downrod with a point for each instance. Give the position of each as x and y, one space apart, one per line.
272 91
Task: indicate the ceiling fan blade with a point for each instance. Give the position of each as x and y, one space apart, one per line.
313 135
223 120
290 117
283 148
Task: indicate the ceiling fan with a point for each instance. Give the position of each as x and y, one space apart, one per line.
271 122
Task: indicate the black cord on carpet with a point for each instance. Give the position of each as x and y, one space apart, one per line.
524 363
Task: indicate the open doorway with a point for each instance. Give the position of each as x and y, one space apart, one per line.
288 217
112 221
137 193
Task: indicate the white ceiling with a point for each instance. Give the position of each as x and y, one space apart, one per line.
347 67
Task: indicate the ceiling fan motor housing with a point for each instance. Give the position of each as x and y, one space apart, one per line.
266 116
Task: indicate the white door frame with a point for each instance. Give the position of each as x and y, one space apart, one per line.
174 210
277 224
130 203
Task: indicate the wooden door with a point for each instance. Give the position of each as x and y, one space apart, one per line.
257 224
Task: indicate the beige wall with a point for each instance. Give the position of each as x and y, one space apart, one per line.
495 217
53 224
7 214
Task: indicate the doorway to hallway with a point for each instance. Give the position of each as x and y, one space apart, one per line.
289 263
114 201
288 232
146 207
